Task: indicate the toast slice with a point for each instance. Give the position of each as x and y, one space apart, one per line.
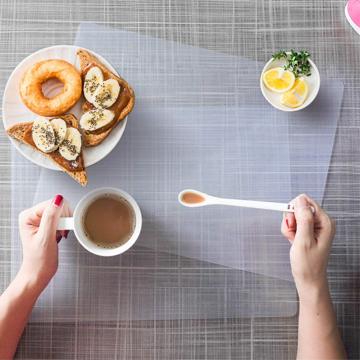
122 106
23 133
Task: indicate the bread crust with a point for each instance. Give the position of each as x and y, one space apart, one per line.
19 131
126 97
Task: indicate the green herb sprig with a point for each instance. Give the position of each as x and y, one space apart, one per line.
296 62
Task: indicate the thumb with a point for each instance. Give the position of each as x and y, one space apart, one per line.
51 215
304 219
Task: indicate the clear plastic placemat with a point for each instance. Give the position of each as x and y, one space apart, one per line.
311 137
204 126
143 284
166 150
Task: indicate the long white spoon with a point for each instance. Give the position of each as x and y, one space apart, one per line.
194 198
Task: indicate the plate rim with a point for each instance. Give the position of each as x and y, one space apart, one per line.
17 144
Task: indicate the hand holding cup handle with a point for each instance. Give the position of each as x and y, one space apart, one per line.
66 223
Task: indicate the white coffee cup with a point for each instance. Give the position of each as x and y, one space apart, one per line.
76 223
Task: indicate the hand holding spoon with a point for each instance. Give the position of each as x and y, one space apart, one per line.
194 198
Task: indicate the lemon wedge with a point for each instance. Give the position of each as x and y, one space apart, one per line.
279 80
297 95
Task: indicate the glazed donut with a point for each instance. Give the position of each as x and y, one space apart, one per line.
31 87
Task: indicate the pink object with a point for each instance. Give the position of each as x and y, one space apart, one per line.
352 12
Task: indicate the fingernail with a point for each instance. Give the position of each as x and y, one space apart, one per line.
66 233
287 223
58 200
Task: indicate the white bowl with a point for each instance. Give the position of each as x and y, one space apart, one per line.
274 98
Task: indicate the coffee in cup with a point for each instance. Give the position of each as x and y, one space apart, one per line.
106 221
109 221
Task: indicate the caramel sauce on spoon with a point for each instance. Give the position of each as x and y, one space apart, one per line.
192 198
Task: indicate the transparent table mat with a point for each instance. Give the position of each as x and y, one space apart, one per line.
142 284
167 150
204 126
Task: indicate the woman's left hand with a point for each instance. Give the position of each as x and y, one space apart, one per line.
40 239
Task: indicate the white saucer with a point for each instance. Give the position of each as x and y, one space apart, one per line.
274 98
15 111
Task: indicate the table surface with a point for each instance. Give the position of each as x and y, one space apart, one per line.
253 29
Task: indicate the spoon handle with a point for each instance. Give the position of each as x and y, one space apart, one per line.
255 204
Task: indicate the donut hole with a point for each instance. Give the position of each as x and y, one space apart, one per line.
52 87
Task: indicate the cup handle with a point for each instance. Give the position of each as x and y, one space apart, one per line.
66 223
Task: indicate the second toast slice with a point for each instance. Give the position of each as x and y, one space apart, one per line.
122 106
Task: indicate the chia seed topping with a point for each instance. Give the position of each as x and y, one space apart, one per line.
57 137
96 116
45 134
70 147
103 96
91 85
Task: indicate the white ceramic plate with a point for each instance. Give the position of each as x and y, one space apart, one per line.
15 111
274 98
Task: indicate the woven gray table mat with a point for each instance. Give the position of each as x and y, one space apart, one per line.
244 28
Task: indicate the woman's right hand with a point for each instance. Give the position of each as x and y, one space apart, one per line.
310 230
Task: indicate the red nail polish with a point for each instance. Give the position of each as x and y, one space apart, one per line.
58 238
58 200
287 223
66 233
